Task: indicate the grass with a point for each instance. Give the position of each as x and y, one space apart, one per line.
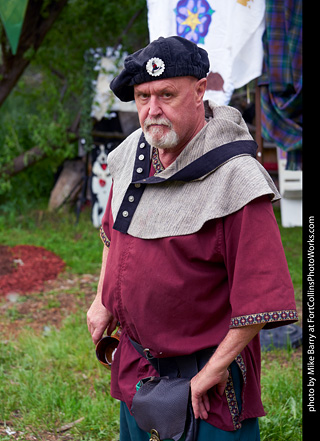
282 397
48 380
78 244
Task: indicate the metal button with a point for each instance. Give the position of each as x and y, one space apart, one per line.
125 214
137 185
142 145
141 157
139 170
131 198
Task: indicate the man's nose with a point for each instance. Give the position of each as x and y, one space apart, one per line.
154 107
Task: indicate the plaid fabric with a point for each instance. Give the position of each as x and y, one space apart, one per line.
281 81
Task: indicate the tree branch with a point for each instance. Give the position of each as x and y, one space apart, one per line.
28 158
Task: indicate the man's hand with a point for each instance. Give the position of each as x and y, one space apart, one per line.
215 372
100 319
201 383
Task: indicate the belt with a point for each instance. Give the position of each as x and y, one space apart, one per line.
184 366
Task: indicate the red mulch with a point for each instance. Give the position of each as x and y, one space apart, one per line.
25 268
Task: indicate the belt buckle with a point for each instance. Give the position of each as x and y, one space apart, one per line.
154 435
148 356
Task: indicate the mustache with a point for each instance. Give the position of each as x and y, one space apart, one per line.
159 121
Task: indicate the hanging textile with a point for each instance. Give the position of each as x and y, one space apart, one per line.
281 82
12 15
230 31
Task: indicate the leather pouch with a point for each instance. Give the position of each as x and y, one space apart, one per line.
162 405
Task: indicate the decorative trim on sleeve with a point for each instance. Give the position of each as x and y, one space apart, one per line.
263 317
104 237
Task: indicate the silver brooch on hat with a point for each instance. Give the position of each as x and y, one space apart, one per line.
155 67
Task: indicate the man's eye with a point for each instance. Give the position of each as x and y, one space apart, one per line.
142 96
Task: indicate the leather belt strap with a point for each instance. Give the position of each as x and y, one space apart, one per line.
185 366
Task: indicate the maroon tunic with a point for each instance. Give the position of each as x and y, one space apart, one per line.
177 295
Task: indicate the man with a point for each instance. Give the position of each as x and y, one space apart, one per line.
193 260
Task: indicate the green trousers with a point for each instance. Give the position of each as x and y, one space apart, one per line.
129 430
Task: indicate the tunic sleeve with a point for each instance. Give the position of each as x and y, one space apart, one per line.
107 222
261 289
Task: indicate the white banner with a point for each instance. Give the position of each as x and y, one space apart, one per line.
230 31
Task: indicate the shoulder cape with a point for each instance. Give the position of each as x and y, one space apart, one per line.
215 175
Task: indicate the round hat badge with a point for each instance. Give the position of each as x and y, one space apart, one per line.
155 67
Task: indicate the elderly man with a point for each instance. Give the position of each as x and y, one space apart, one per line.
193 265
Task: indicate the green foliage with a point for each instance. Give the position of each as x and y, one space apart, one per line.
49 95
34 117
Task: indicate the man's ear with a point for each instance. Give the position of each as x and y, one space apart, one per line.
200 89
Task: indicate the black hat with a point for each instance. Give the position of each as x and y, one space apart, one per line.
163 58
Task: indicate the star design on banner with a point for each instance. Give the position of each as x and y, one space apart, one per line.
193 18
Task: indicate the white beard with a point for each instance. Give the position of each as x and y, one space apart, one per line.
156 137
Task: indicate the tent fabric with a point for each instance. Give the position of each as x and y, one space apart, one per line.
281 81
12 14
230 31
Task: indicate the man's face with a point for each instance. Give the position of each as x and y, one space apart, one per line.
168 110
